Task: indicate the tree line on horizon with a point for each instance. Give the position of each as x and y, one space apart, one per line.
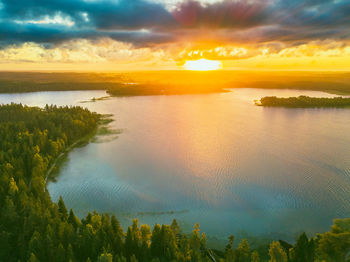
33 228
304 102
119 89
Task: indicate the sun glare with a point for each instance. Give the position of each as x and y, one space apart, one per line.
203 65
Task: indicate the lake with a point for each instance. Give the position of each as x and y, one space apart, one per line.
216 159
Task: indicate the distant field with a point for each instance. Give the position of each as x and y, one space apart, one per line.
174 82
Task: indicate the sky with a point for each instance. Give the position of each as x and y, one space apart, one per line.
126 35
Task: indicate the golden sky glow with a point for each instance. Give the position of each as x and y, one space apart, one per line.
113 56
108 55
202 65
174 34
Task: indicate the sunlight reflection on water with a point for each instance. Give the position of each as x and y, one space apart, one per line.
214 159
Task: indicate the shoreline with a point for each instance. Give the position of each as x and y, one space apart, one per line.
303 102
146 83
135 93
104 119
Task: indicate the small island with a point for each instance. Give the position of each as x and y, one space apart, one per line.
125 89
304 102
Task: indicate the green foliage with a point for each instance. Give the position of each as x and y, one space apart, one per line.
33 228
304 250
32 258
62 209
105 257
255 257
16 82
243 252
114 84
335 245
304 102
229 250
162 89
276 253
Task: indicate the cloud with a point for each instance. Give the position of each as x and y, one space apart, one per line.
157 23
80 51
53 34
226 14
128 14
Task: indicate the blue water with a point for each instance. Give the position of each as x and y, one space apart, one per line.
215 159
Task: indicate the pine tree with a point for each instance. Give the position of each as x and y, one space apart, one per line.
60 254
70 254
243 251
32 258
73 220
175 227
35 244
105 257
229 250
62 209
303 250
13 189
156 241
255 257
276 253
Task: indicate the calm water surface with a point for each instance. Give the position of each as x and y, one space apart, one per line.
214 159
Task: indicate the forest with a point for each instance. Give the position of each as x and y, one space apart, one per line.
33 228
114 89
173 82
114 84
303 102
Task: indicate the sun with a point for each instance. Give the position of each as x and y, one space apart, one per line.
203 65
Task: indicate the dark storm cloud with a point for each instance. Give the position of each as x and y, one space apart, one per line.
312 13
129 15
12 33
227 14
122 20
126 14
288 21
144 22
